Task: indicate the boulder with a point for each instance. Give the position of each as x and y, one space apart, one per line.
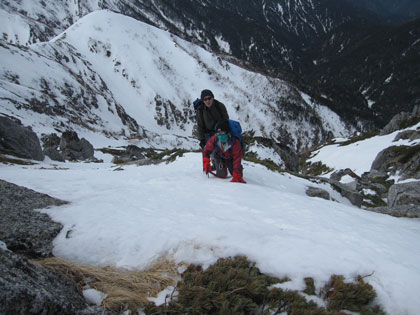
403 161
404 199
24 230
28 289
51 147
407 135
352 195
72 148
20 141
318 192
131 153
338 175
401 121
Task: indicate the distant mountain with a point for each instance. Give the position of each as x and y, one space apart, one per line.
323 47
122 78
396 11
370 70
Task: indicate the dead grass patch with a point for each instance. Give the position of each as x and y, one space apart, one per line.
125 289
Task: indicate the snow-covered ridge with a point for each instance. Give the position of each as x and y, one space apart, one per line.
118 76
359 156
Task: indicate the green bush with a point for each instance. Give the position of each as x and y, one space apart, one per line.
355 297
236 286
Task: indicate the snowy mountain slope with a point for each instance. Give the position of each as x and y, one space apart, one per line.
41 20
359 156
115 75
50 91
137 215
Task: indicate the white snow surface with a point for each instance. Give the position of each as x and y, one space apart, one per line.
94 296
360 155
133 217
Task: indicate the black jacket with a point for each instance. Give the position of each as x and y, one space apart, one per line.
208 117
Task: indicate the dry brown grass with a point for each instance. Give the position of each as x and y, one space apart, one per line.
125 289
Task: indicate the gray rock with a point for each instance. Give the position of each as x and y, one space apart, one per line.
398 121
17 140
73 148
135 152
131 153
318 192
54 154
23 230
401 160
28 289
51 140
353 196
51 147
407 135
394 123
404 199
289 157
338 175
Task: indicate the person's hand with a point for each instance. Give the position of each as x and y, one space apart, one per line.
237 178
206 165
202 144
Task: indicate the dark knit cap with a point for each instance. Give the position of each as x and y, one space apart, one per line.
205 93
222 125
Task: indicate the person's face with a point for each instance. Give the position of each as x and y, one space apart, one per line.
208 101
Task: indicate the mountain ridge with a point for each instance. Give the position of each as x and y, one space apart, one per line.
100 83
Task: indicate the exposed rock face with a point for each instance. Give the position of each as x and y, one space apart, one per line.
24 287
73 148
318 192
289 157
403 161
68 147
399 120
18 140
28 289
132 153
51 147
404 199
24 230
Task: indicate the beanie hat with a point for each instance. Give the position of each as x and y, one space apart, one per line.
222 125
205 93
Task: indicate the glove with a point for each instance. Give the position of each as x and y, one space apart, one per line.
206 165
202 144
237 178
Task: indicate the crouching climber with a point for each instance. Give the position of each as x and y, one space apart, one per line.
223 152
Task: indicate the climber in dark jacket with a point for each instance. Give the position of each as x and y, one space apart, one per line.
225 152
208 114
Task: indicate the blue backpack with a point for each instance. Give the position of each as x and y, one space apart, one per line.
197 103
236 131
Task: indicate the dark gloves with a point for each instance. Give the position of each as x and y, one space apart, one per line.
202 144
237 178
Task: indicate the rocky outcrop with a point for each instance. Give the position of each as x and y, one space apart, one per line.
51 147
376 190
28 289
24 287
68 147
402 120
131 153
404 199
403 161
24 230
19 141
318 192
73 149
